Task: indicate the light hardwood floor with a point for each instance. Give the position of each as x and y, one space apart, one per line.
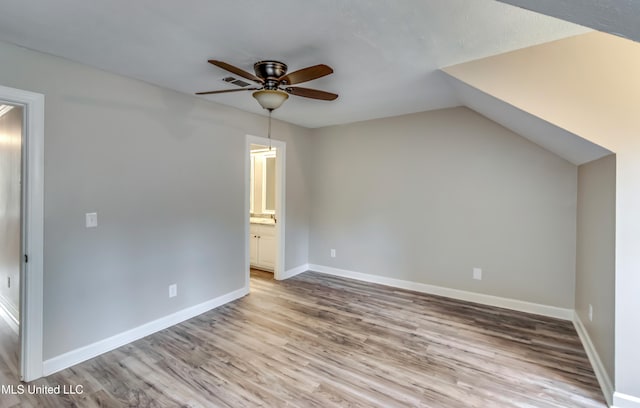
321 341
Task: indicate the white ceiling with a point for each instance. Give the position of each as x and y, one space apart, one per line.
385 53
618 17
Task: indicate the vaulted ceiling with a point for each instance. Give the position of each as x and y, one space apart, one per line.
617 17
386 54
390 58
587 87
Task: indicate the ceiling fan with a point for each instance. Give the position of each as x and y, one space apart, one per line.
275 83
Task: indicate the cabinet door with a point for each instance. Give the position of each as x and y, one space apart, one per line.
253 249
267 251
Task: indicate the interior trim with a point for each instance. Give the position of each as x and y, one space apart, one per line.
31 272
290 273
601 374
490 300
90 351
621 400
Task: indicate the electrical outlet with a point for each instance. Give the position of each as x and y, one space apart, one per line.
173 290
590 313
477 273
91 220
333 253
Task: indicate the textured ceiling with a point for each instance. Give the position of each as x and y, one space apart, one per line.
385 53
617 17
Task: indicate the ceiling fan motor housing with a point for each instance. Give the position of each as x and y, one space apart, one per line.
273 80
270 71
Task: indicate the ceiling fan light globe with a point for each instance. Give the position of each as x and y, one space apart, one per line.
270 99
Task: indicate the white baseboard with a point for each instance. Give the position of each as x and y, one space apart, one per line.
294 271
598 368
513 304
621 400
81 354
10 314
10 308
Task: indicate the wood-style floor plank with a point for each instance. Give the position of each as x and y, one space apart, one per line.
321 341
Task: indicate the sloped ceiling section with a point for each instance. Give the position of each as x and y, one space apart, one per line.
587 85
385 54
565 144
618 17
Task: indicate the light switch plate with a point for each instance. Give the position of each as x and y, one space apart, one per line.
91 220
477 273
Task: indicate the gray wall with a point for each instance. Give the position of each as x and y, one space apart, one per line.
595 255
423 197
10 169
427 197
165 172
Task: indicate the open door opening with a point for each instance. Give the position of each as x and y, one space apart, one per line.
11 134
265 212
21 234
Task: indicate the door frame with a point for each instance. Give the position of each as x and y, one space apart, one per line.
281 147
32 229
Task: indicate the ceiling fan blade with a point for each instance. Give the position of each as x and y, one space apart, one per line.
226 90
306 74
312 93
236 70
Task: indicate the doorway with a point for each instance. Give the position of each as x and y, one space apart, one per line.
11 125
21 229
11 130
265 206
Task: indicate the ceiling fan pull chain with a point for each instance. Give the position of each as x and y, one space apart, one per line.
269 133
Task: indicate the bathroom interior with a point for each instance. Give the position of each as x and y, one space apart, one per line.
262 208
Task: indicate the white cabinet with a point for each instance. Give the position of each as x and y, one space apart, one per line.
267 251
253 249
262 246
